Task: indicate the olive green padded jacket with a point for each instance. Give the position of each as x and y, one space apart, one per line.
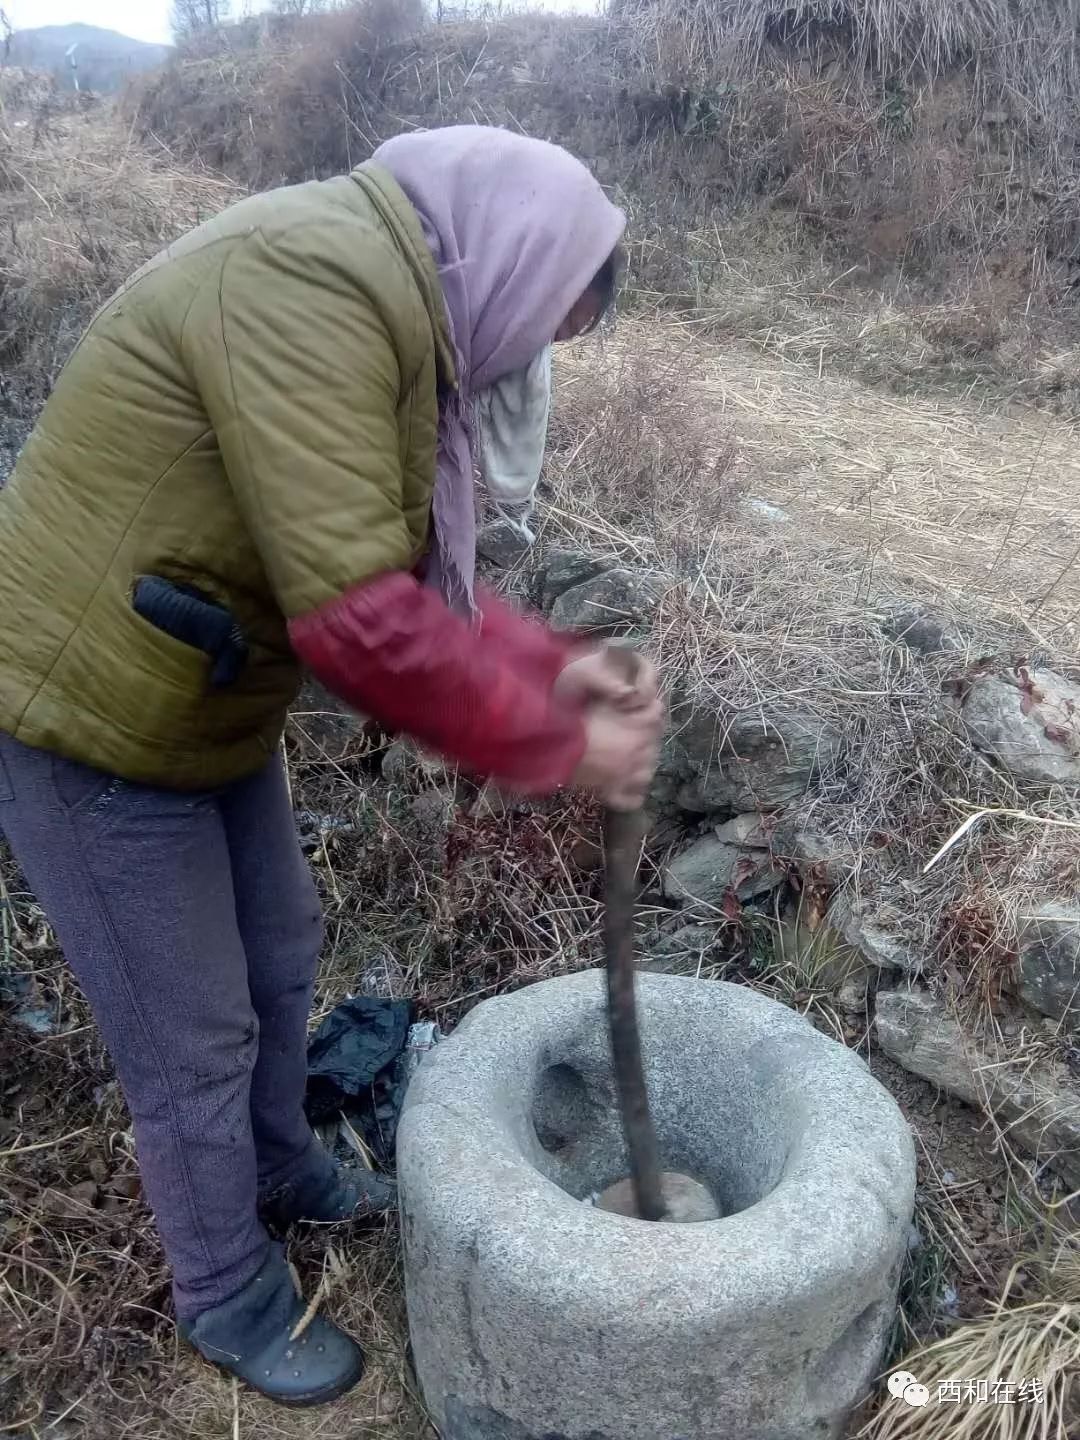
253 414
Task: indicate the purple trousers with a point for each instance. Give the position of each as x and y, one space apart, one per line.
193 927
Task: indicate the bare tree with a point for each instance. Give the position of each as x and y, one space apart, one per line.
7 34
299 7
195 17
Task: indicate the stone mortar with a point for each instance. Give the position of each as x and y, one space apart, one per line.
535 1315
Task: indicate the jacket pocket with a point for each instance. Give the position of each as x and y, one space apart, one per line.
193 620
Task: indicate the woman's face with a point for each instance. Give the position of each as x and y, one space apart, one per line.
583 315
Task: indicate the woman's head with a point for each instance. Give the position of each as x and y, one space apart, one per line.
525 243
523 236
591 307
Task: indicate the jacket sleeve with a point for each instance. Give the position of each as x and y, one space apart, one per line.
534 646
392 649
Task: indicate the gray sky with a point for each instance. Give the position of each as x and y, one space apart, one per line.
149 19
141 19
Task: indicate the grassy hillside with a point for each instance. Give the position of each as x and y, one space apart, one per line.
771 175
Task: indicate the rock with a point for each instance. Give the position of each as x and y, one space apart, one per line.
608 602
854 992
922 631
587 855
534 1314
491 803
1050 961
403 763
802 840
749 763
566 568
709 871
667 823
681 952
434 808
749 832
687 1201
315 830
502 544
758 509
874 928
19 988
1029 723
73 1204
915 1029
325 722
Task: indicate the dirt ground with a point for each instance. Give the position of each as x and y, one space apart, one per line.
974 499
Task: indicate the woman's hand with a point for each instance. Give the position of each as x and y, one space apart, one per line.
592 678
624 722
622 749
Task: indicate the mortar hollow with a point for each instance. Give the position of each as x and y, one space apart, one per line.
578 1142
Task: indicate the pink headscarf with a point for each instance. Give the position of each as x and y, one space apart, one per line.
517 228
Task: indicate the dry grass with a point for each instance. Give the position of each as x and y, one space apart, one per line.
82 204
1009 1375
659 437
967 503
959 232
1025 56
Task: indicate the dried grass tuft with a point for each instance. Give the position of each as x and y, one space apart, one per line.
1010 1375
82 205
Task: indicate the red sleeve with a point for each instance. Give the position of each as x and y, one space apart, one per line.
393 650
535 648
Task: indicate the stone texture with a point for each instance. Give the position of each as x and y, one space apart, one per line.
874 928
566 568
1030 726
749 763
1040 1111
608 602
709 870
681 952
853 992
501 545
327 723
687 1201
434 808
754 508
800 838
749 832
536 1316
1049 978
922 631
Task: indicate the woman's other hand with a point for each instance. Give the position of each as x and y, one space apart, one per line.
593 678
622 749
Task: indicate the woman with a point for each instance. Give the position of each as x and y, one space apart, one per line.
260 457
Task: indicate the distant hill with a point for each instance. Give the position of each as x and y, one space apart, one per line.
105 59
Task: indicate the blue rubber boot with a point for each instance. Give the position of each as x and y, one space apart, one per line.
254 1336
326 1193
